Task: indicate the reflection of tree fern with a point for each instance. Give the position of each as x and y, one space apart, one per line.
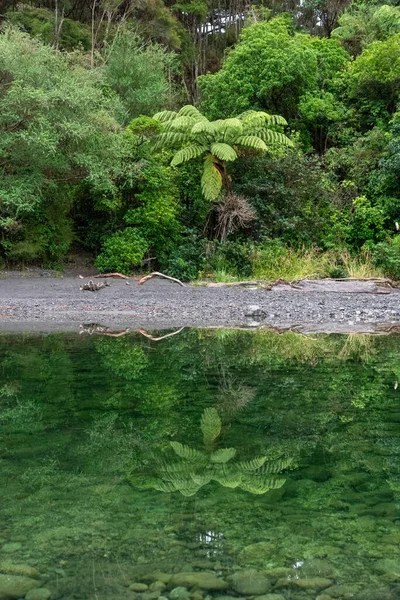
196 468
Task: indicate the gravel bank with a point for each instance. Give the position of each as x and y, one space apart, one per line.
51 304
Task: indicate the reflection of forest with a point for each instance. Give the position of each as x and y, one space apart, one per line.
86 422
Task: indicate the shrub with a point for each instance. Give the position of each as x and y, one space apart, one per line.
122 251
386 256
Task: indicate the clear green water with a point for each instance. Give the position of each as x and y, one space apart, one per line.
86 425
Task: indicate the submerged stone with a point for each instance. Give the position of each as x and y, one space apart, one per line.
250 583
38 594
179 593
256 554
205 581
138 587
16 586
11 547
312 583
12 569
343 591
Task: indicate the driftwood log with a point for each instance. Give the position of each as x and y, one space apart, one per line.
157 274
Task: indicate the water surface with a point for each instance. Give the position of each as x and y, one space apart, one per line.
222 463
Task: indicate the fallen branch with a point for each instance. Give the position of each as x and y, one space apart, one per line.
157 274
112 275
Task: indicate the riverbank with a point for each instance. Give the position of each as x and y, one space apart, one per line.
46 303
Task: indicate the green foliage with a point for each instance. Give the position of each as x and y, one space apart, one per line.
122 251
275 70
140 73
386 256
372 81
360 224
362 24
59 130
40 22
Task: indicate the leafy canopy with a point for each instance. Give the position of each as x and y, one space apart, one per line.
270 69
218 142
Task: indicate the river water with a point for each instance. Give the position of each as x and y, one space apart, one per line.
209 464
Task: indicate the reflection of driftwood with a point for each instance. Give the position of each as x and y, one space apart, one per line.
157 274
97 329
112 275
157 339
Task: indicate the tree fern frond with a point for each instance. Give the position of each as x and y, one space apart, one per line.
210 425
261 485
186 452
274 137
223 455
190 490
180 124
169 139
228 130
164 486
275 466
165 115
253 464
193 112
277 120
227 477
252 141
201 479
211 180
187 153
203 127
223 151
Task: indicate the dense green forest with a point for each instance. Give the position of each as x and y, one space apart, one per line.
202 138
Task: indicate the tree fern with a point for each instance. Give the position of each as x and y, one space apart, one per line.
211 180
223 151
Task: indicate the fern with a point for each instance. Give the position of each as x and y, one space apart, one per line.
229 129
253 464
252 141
210 425
186 452
223 151
211 181
187 153
223 455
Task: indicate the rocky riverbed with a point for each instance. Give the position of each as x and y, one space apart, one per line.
51 303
